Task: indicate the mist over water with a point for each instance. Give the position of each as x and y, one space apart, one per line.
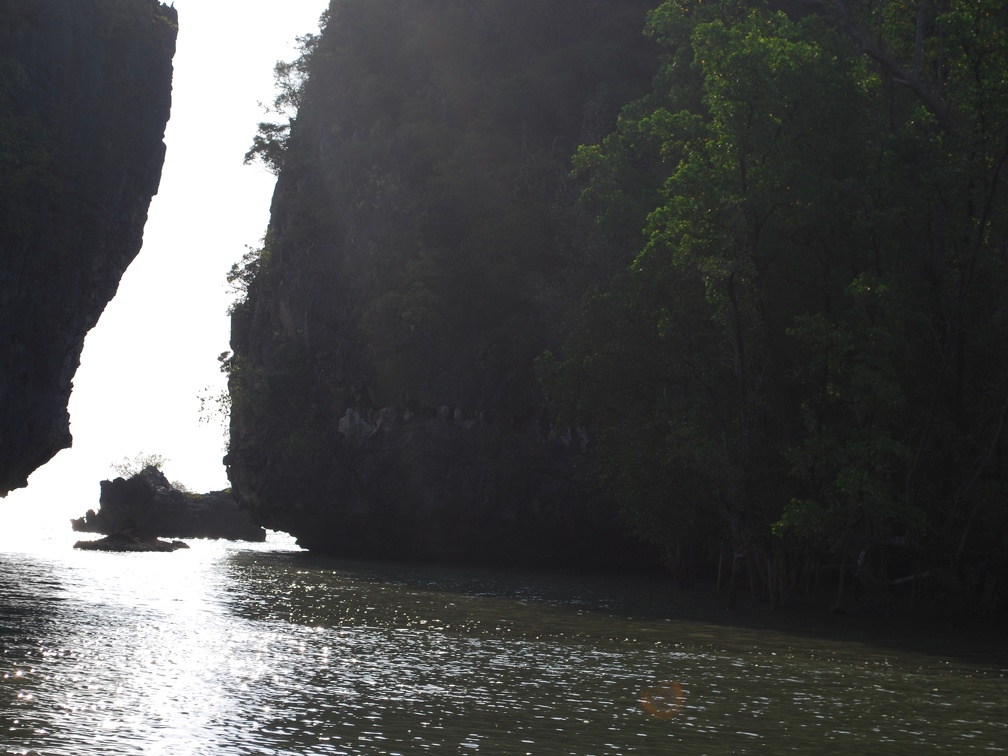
238 649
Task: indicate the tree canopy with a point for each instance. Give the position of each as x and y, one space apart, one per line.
807 352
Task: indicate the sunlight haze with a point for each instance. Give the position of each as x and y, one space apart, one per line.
154 350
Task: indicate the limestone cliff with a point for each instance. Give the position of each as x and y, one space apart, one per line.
384 401
85 93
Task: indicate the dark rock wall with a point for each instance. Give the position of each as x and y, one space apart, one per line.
364 435
86 92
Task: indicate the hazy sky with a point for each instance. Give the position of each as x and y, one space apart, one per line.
155 349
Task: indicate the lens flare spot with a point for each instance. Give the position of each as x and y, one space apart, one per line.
663 701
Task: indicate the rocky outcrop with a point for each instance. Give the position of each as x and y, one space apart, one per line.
148 504
384 398
415 487
85 93
129 541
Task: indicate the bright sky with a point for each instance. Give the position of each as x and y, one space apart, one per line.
154 351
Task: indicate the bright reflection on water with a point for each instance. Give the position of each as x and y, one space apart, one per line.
231 649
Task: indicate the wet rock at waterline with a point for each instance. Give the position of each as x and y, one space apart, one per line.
150 505
85 93
127 541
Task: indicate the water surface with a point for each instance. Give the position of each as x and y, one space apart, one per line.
243 649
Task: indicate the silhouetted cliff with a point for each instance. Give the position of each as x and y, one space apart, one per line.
383 396
85 92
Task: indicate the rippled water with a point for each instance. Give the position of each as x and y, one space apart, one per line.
232 649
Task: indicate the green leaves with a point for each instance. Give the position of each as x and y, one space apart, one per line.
127 468
269 145
811 321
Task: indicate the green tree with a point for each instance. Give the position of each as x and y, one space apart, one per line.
269 145
788 358
127 468
750 191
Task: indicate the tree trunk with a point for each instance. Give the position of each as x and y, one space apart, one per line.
838 604
733 583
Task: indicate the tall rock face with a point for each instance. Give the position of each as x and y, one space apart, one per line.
418 260
85 93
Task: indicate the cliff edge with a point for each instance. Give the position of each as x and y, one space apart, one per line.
85 93
384 402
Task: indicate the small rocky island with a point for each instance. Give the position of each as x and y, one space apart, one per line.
129 539
134 513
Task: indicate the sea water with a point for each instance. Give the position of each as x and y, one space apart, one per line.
230 648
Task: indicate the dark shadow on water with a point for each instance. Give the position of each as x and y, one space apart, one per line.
31 595
604 608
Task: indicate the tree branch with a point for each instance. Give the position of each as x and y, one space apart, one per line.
836 11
